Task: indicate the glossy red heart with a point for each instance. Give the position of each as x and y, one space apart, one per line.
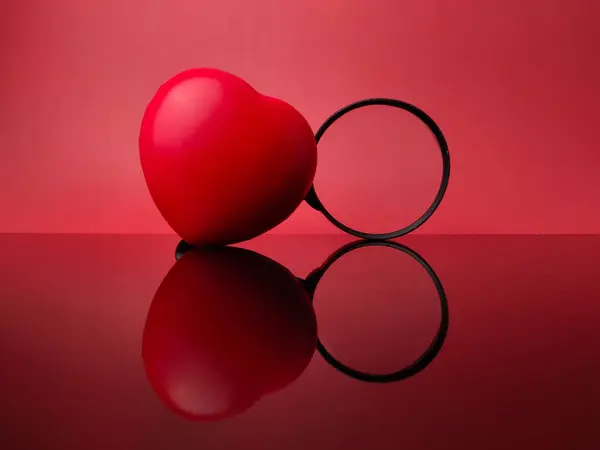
227 326
224 163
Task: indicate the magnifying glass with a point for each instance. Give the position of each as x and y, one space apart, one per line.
394 141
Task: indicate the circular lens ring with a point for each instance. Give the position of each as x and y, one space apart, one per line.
313 200
436 344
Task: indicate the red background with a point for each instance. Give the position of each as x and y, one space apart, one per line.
512 83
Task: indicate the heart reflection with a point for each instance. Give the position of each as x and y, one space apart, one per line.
228 326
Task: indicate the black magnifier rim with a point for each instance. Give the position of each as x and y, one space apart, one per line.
313 200
436 344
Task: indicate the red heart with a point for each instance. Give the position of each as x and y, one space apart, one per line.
224 163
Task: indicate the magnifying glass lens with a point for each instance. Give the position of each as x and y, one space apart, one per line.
379 169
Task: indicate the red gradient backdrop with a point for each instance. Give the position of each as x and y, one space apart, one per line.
512 84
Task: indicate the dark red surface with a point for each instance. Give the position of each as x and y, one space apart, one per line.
519 367
224 163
